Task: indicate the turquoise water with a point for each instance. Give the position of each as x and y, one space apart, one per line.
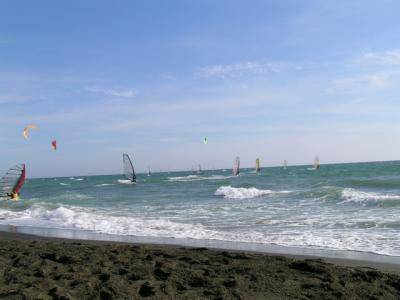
341 206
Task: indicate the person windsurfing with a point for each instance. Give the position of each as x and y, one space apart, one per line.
12 182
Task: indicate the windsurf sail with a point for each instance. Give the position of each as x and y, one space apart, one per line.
25 133
148 171
236 167
285 164
199 171
12 182
258 169
129 172
316 163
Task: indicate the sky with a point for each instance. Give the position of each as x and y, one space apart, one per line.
276 80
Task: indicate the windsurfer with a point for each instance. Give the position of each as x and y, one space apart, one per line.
13 196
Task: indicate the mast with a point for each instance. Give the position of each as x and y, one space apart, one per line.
236 168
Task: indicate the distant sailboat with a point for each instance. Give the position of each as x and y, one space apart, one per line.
285 164
236 167
129 172
148 171
258 169
199 171
316 163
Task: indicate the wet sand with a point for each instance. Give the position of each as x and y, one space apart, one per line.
46 268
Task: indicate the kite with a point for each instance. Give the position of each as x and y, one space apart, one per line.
205 141
54 145
25 133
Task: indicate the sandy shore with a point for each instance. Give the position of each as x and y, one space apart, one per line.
45 268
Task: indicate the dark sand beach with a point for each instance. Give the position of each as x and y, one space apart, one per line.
43 268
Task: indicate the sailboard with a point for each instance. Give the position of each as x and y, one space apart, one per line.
258 169
236 167
12 182
316 163
129 172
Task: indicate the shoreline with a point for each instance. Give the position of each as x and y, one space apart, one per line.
341 257
48 267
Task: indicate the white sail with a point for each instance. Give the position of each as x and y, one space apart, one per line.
148 171
316 163
236 167
285 164
129 172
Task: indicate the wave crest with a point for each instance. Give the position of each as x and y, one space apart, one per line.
241 193
353 195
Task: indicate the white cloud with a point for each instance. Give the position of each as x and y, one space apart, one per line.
240 69
123 93
167 76
356 84
387 58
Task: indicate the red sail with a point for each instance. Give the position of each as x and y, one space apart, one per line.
20 181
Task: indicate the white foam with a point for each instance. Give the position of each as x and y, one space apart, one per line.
241 193
183 178
79 179
197 177
104 184
125 181
353 195
62 183
80 218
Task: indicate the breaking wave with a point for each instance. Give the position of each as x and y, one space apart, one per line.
197 177
353 195
241 193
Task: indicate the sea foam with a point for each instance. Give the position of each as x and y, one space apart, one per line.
353 195
241 193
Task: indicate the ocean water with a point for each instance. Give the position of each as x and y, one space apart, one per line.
340 207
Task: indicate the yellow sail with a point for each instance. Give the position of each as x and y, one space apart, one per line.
258 165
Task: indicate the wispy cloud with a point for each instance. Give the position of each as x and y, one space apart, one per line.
240 69
167 76
355 84
116 92
384 58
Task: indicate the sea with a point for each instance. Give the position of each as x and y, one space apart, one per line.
352 207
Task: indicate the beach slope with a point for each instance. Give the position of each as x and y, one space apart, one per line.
38 268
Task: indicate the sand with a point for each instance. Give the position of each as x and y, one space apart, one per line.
43 268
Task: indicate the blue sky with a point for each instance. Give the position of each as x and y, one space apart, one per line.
270 79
